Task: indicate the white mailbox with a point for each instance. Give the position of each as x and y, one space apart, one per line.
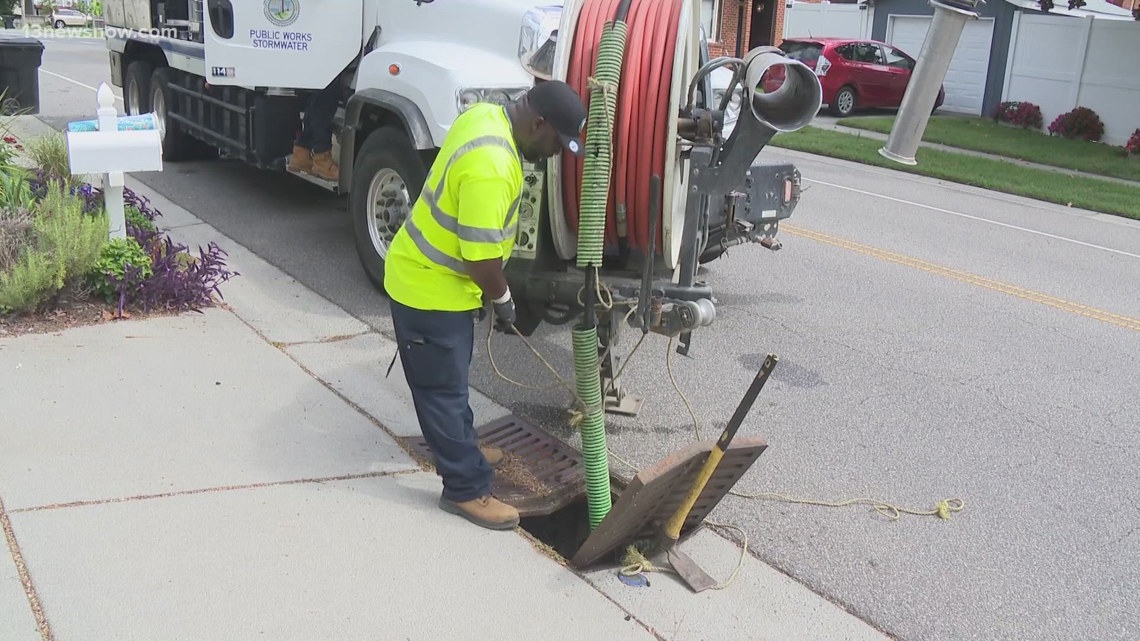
112 146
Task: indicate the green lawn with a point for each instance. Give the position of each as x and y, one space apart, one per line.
1086 193
982 134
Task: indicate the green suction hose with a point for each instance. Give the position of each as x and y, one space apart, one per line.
594 449
597 166
596 171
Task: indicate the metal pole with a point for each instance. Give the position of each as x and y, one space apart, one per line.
926 79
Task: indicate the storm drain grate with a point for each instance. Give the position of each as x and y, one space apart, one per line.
650 499
540 475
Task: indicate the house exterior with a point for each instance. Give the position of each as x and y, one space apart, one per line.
762 22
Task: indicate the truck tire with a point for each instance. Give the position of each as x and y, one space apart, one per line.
386 179
136 88
176 143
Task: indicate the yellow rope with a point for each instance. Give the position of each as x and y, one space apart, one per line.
634 561
942 509
577 415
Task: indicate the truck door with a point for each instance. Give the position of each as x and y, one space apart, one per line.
299 44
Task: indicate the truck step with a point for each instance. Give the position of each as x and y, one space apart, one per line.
320 182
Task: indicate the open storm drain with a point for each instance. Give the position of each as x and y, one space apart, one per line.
544 479
540 475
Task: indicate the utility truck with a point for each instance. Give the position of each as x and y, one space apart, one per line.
230 77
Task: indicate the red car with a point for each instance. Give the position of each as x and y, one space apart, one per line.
854 74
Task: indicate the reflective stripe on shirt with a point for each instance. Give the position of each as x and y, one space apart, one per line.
451 223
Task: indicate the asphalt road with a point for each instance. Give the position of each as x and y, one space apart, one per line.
935 341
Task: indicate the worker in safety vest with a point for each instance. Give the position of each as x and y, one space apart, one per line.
446 263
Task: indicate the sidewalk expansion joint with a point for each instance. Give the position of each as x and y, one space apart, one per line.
400 442
321 341
212 490
25 578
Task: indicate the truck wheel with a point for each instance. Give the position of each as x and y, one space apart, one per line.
176 144
136 92
386 179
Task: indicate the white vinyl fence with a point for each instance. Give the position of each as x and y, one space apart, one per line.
1059 63
826 20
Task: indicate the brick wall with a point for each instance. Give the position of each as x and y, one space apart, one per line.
726 46
780 12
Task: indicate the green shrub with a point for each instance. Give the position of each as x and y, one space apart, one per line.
63 247
15 188
123 265
15 236
49 153
139 219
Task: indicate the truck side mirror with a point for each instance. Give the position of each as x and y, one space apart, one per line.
538 39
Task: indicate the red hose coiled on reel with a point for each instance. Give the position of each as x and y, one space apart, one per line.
641 118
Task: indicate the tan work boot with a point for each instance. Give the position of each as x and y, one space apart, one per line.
301 160
324 167
488 512
495 456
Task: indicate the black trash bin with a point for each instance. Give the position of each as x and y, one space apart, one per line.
9 22
20 60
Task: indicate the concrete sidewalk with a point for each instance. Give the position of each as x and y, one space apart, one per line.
234 475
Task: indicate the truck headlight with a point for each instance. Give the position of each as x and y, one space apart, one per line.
468 96
538 38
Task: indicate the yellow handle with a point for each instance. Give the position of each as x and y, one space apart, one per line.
673 526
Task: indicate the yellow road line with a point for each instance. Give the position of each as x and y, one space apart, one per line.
1126 322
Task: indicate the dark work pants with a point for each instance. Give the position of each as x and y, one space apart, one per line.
316 129
435 351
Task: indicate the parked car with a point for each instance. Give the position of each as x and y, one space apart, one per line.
61 18
854 74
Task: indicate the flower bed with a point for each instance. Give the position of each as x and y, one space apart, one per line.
1025 115
1080 123
58 266
1132 148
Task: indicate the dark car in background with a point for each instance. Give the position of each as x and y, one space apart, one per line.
854 73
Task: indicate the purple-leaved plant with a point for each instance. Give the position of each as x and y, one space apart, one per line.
179 281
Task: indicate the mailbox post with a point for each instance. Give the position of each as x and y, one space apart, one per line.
112 146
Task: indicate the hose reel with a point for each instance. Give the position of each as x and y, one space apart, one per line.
650 138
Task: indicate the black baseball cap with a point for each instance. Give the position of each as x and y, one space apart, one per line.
560 105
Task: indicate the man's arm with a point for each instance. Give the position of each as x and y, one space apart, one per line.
484 202
489 276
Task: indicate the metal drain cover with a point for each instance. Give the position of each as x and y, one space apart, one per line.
541 474
657 491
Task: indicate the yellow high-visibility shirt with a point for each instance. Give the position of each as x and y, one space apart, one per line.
467 211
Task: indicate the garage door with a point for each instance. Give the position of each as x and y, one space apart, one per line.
966 78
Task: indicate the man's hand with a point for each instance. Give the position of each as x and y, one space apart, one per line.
504 314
